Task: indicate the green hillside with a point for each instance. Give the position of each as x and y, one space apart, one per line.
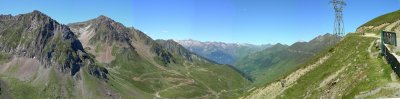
274 62
386 18
181 79
361 73
350 69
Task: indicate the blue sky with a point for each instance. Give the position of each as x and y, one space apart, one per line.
234 21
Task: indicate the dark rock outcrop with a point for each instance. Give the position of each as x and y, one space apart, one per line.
174 47
36 35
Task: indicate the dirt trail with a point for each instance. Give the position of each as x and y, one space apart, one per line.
391 26
21 67
332 77
394 77
276 88
371 35
369 50
105 56
188 82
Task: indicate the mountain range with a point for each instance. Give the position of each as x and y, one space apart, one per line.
101 58
220 52
261 63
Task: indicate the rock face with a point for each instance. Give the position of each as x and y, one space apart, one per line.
174 47
35 35
101 30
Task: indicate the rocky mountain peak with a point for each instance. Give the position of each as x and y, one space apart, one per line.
37 12
170 44
103 29
103 18
35 35
280 44
36 19
174 47
37 15
324 37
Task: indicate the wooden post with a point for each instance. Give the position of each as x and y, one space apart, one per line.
381 45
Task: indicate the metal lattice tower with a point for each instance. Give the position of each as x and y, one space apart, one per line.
338 6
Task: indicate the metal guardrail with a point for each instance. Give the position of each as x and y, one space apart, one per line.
391 59
391 39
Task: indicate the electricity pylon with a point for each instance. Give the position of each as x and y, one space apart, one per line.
338 6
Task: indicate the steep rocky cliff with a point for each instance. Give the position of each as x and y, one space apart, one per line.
35 35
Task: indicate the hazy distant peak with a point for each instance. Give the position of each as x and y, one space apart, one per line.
104 20
280 44
196 42
326 36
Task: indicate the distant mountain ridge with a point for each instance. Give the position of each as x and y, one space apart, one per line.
220 52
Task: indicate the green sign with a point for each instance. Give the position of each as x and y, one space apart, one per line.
389 38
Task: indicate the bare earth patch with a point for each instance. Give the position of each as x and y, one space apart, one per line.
25 67
105 55
29 67
85 35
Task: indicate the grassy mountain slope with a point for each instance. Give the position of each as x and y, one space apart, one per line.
386 18
351 69
278 60
387 22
